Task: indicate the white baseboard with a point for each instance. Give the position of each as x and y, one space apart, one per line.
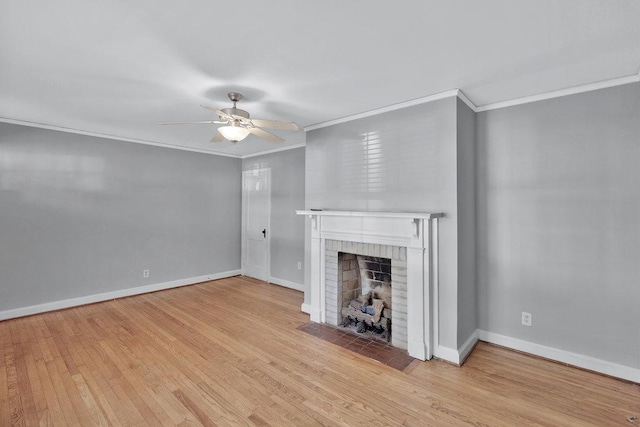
466 348
286 284
305 308
90 299
457 357
579 360
447 353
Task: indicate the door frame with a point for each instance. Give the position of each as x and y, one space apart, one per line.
243 245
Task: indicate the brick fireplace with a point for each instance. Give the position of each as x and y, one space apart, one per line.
407 240
362 264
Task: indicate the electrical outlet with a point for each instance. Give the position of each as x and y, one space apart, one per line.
145 273
299 265
526 318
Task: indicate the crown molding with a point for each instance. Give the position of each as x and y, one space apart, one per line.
393 107
467 101
113 137
635 78
275 150
603 84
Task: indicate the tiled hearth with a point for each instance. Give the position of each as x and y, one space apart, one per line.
371 348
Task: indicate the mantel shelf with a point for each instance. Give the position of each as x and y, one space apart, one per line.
422 215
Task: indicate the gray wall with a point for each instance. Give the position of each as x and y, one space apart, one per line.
467 274
558 221
402 160
287 195
81 215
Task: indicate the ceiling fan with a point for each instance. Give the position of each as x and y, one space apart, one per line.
238 124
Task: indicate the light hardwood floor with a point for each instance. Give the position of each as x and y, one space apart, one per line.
229 352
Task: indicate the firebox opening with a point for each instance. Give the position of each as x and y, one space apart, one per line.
366 293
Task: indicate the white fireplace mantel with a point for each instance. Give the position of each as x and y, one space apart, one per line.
371 214
417 231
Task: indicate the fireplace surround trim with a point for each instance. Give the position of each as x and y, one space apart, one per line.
418 232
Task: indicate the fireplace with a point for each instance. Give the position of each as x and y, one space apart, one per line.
407 240
365 299
353 269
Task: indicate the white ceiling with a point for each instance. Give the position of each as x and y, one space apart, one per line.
118 67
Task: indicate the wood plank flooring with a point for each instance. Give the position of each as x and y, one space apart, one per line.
229 352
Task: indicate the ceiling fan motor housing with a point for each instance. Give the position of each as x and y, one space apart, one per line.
233 111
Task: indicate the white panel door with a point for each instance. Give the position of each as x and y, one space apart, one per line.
256 195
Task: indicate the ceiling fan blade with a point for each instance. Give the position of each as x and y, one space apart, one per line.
275 124
217 137
264 134
207 122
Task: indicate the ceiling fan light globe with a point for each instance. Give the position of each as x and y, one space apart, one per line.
233 133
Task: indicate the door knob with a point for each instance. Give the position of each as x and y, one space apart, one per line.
264 232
